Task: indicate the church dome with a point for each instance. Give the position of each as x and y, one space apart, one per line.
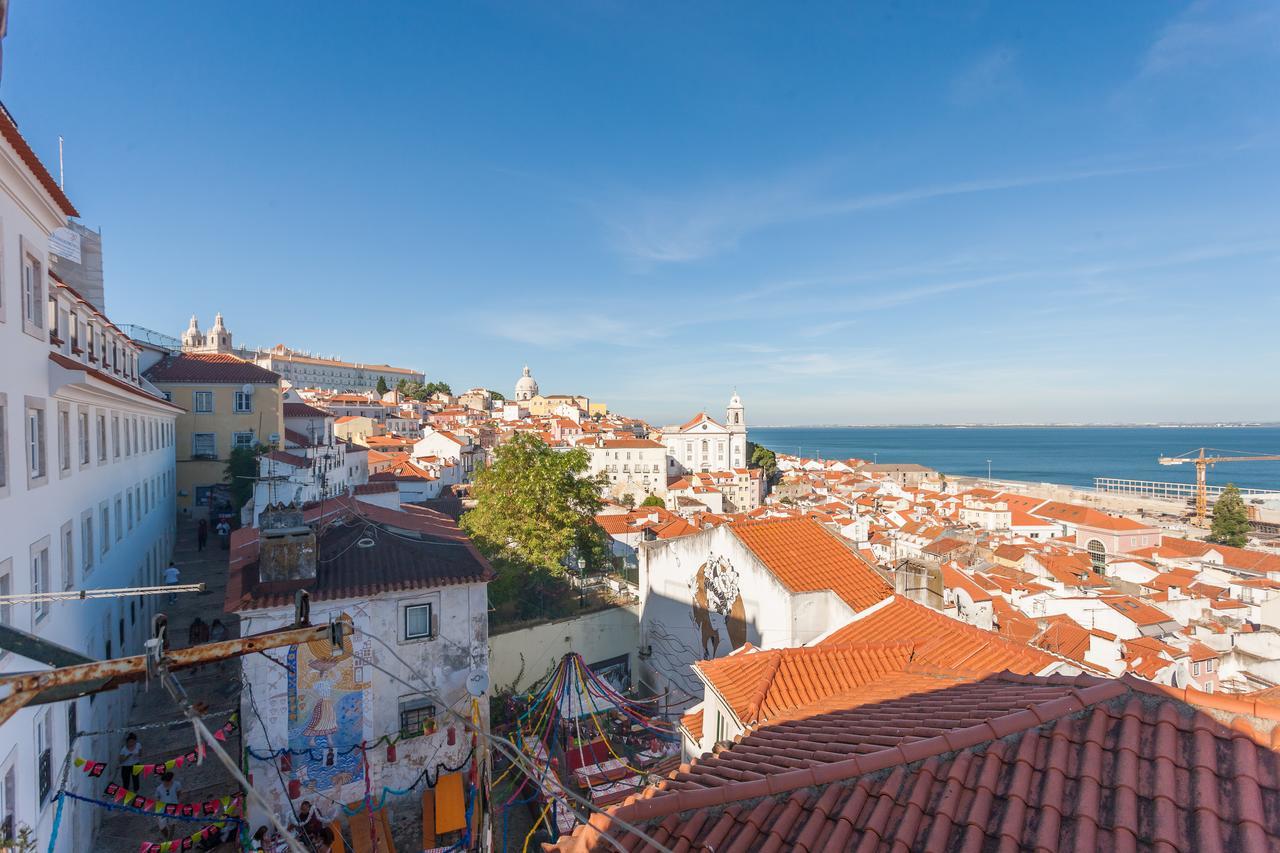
526 386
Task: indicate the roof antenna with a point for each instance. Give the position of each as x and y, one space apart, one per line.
62 184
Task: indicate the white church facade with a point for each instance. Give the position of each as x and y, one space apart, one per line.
704 444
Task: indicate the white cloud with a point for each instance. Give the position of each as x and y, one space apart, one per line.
1207 33
993 75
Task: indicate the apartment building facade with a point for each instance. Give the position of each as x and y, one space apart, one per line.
87 485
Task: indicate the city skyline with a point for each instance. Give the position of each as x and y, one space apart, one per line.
980 214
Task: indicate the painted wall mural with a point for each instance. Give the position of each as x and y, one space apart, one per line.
718 613
326 710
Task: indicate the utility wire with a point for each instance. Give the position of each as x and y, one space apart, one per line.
510 749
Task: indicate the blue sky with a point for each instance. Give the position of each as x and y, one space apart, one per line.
891 213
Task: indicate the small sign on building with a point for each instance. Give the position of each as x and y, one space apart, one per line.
65 243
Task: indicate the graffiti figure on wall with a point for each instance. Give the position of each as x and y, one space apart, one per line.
326 714
717 606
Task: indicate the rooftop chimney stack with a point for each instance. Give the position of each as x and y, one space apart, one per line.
287 549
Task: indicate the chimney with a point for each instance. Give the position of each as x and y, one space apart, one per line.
287 546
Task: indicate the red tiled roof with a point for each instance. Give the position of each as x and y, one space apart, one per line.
1136 610
303 410
10 130
71 364
209 367
760 685
1087 517
414 548
807 557
1100 765
942 641
376 488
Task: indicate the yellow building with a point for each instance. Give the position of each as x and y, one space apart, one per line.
228 402
598 409
357 429
541 405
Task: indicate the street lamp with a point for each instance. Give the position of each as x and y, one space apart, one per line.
988 471
582 583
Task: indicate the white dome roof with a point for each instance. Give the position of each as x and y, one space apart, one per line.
526 385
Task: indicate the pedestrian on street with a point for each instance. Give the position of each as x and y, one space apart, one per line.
168 790
224 533
198 632
171 576
202 534
130 754
217 631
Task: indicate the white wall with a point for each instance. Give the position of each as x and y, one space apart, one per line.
33 513
774 616
522 657
446 661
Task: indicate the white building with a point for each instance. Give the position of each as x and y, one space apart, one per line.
448 447
703 444
305 370
312 465
631 466
414 589
86 495
526 387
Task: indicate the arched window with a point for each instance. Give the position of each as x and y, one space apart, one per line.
1098 554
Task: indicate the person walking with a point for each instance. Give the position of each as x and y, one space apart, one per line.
171 576
130 754
217 631
202 534
168 790
224 533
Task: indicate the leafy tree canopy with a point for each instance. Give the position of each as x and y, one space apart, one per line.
535 507
763 458
241 473
496 396
418 391
382 386
1230 519
654 500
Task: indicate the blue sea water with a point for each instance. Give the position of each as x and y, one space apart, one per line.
1067 455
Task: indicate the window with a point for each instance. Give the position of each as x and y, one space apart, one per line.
40 577
4 445
37 462
241 440
417 716
115 436
128 497
418 619
44 756
244 403
84 437
204 445
202 402
104 513
1208 666
102 437
86 542
119 517
6 588
68 557
1195 668
64 438
33 304
8 802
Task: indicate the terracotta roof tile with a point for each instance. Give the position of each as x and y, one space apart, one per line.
1049 764
942 641
806 557
209 367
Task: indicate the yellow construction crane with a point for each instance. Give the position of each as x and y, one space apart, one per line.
1202 462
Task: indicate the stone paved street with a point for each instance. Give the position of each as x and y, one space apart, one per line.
218 686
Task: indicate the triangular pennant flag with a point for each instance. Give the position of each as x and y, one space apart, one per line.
166 846
169 765
111 789
220 735
129 797
145 847
178 762
192 757
138 768
226 801
80 762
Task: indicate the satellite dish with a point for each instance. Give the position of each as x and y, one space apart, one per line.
478 683
247 389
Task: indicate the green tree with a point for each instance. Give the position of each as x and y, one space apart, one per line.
535 507
763 458
241 473
382 386
497 397
1230 519
436 388
628 500
654 500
